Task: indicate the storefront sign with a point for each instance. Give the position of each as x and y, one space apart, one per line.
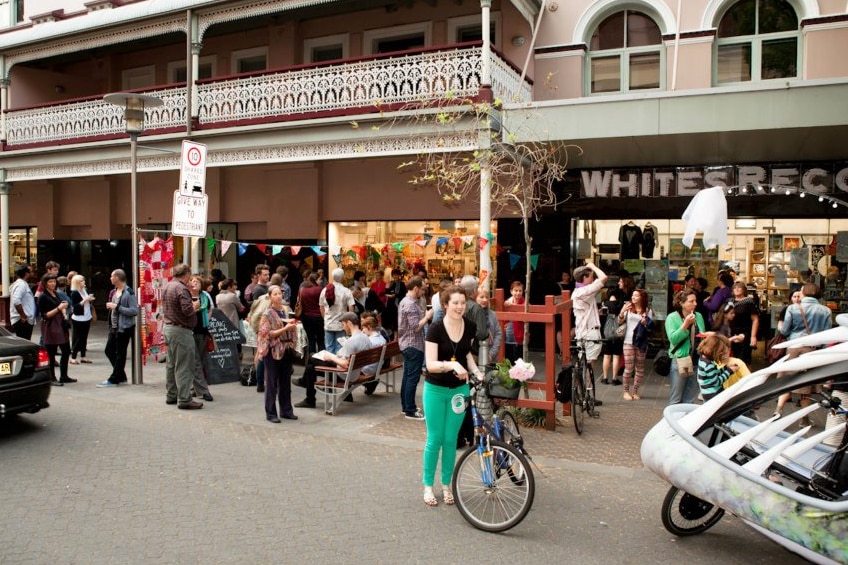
817 178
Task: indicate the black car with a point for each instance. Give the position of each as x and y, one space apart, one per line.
24 375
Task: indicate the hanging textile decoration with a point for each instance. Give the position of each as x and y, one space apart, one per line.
374 255
442 241
210 245
467 241
352 254
484 274
308 262
317 250
514 258
242 248
419 241
457 244
481 242
534 261
338 259
427 238
398 246
276 249
225 246
261 247
295 249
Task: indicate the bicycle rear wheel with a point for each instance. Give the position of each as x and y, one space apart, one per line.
685 515
578 397
486 493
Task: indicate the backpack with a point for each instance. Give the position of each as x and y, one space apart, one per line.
330 294
248 376
257 310
563 385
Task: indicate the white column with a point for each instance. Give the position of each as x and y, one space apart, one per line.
485 145
4 105
5 255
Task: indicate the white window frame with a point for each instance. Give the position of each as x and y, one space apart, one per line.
145 74
175 66
372 35
237 56
756 42
624 59
455 24
342 39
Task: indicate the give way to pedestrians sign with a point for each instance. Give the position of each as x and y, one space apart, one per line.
189 215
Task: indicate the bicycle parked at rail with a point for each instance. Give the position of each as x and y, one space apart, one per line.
582 384
493 484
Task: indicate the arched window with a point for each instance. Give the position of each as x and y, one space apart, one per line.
625 54
757 40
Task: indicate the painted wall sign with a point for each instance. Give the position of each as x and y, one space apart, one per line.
816 178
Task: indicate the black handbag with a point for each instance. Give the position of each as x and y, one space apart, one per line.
662 363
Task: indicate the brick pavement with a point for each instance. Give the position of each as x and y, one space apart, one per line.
612 439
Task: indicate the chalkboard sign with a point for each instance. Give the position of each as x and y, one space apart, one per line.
222 365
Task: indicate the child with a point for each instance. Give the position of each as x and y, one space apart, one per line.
722 321
714 351
514 337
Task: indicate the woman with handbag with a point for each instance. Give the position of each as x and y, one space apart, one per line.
639 320
681 327
202 337
54 328
746 321
807 317
613 348
275 341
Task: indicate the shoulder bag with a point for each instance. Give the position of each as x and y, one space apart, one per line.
772 353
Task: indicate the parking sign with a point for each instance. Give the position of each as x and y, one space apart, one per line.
193 169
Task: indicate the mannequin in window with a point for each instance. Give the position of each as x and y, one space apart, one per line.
630 238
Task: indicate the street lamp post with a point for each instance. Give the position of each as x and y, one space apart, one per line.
134 105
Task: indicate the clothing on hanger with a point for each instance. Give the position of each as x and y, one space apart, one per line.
649 240
630 238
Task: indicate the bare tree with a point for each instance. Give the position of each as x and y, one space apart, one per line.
523 175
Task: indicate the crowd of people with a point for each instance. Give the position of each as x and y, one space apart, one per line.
442 336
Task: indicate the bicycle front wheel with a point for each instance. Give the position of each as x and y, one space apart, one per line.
578 398
486 493
512 437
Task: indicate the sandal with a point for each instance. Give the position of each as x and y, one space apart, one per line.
84 360
448 496
73 361
429 497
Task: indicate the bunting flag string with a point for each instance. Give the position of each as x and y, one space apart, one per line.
359 252
534 261
514 258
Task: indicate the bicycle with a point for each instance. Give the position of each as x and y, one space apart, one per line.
492 483
582 384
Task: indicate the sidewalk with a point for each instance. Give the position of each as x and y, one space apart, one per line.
613 439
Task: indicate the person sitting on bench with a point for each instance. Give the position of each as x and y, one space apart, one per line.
355 342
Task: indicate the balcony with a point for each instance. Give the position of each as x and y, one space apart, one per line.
337 88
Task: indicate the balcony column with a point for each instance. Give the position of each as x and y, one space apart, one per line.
196 48
5 256
486 70
4 106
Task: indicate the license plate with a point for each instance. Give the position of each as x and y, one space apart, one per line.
5 369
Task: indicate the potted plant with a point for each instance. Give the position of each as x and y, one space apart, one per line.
507 380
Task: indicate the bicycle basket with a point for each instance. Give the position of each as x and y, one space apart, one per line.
563 384
497 390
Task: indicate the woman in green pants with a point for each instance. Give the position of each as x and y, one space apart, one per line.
449 360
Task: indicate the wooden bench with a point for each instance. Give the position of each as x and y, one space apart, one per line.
338 383
388 370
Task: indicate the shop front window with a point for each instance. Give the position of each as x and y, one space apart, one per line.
444 249
757 40
625 54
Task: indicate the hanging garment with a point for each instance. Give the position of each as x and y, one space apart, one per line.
707 213
630 238
649 240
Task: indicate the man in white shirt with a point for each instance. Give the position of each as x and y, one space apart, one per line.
342 303
589 281
22 311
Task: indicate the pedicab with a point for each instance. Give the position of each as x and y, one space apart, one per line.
787 483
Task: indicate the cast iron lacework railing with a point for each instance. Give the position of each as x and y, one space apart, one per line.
67 121
320 89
